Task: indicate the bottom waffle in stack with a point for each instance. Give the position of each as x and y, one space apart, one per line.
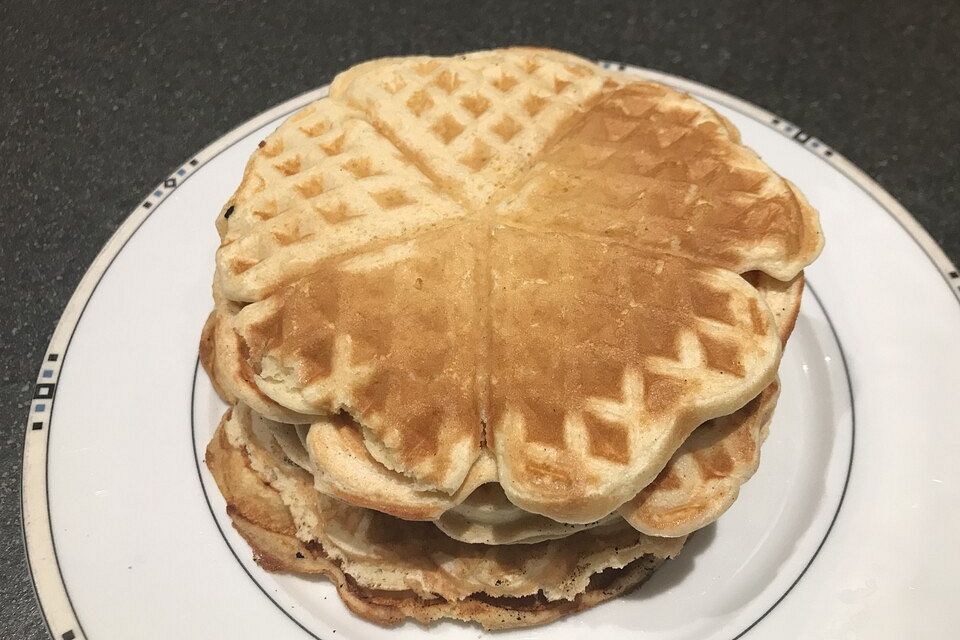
483 560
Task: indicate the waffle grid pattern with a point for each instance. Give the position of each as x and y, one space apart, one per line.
398 153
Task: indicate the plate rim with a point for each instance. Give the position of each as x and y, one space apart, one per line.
52 597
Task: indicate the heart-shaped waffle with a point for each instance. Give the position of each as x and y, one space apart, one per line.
513 255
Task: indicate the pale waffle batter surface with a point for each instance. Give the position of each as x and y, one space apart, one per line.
501 292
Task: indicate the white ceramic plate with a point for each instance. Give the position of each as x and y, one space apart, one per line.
847 530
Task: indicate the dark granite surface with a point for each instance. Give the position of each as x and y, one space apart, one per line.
100 102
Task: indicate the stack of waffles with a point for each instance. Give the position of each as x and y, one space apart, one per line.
497 331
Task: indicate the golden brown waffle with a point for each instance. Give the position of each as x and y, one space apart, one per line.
700 481
571 304
277 509
381 336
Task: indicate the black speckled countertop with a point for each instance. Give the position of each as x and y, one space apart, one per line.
102 100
